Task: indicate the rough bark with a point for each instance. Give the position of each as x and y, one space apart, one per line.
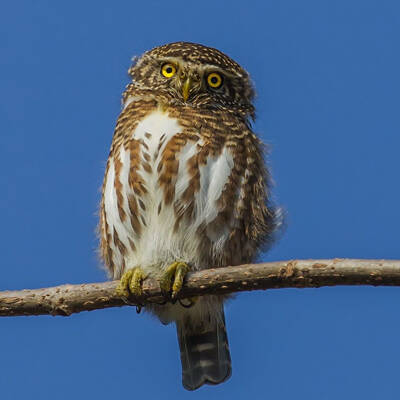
68 299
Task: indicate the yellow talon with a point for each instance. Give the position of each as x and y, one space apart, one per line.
131 283
172 278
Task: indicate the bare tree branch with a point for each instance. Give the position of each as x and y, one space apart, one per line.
68 299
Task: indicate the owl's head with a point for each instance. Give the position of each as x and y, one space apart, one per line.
194 75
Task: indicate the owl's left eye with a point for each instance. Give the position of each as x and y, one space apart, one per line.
214 80
168 70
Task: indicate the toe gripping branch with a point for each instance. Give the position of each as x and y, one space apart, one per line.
131 283
171 283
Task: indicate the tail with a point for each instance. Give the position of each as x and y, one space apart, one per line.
204 352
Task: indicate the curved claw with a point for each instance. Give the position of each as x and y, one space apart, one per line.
131 283
172 279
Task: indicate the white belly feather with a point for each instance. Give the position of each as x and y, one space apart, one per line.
157 245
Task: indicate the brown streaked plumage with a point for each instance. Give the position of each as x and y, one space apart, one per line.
186 181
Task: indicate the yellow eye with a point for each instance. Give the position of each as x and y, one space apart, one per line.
168 70
214 80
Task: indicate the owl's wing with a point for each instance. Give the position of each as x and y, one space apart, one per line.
261 218
245 204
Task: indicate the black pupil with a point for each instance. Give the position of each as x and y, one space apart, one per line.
169 70
214 80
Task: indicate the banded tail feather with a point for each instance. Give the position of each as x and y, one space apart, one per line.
204 351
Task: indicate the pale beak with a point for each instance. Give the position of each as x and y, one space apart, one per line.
187 85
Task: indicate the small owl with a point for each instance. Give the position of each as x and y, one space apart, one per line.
185 189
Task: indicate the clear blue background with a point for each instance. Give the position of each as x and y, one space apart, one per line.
327 76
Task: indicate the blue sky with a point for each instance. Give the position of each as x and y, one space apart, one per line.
327 78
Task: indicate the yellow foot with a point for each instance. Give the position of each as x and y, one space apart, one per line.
172 279
131 283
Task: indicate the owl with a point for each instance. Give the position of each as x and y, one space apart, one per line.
185 189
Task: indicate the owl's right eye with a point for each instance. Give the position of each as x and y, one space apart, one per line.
168 70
